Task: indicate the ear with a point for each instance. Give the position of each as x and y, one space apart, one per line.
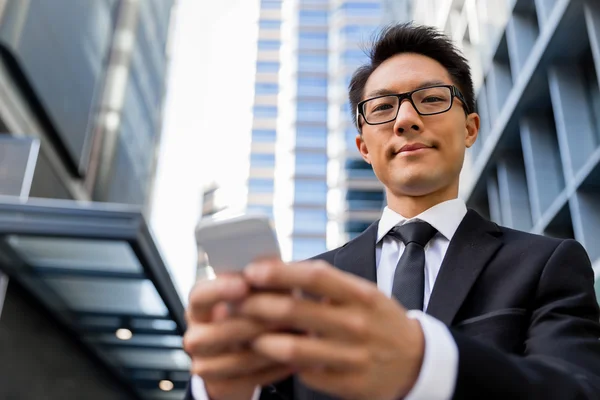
362 148
471 129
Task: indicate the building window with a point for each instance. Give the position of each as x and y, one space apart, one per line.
313 17
355 228
261 185
312 40
269 24
310 221
305 248
354 57
361 9
359 169
269 44
351 134
360 200
310 192
265 111
270 4
357 33
310 136
266 88
258 209
262 160
312 63
264 135
311 164
312 86
311 111
267 66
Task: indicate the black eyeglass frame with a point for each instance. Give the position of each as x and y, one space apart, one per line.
454 91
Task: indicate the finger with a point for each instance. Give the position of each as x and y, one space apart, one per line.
220 387
313 277
230 365
333 382
206 294
305 315
215 338
304 351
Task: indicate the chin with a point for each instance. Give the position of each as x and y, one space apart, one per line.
416 186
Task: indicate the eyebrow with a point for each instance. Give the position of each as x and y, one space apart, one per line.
385 92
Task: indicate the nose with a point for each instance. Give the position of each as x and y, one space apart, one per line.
408 119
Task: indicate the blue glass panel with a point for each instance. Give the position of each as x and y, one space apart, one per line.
265 111
266 88
304 248
260 210
311 111
312 86
310 221
312 40
359 169
354 57
261 185
309 136
358 32
313 17
270 5
351 134
269 44
261 160
267 66
314 164
361 9
264 135
269 24
310 192
312 63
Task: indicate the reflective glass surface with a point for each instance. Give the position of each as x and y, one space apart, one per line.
75 253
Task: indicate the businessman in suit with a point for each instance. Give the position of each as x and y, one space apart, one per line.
432 301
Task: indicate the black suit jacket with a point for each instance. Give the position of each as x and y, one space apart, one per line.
521 308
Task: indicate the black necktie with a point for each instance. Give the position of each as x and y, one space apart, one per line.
409 277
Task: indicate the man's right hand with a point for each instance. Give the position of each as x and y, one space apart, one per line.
218 342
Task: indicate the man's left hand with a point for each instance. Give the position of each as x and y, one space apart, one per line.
359 343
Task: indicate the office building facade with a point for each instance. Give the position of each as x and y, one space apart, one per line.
304 169
86 80
535 165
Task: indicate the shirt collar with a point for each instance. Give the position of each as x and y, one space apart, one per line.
445 217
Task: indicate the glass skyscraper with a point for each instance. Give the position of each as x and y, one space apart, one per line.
304 169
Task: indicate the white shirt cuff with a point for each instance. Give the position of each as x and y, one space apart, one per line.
199 391
437 378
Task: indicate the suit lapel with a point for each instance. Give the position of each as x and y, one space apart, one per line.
473 245
358 255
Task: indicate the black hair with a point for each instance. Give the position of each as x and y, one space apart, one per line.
408 38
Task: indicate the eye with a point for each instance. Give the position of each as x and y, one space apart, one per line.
432 99
382 107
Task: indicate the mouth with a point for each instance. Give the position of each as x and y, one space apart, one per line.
412 148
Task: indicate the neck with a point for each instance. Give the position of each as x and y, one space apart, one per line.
411 206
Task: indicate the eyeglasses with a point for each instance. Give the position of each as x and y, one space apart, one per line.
427 101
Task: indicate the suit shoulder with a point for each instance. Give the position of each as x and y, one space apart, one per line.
534 240
327 256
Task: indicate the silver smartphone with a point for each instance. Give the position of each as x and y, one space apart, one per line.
231 244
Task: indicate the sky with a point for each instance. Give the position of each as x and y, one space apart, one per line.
207 120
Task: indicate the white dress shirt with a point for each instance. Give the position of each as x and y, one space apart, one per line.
437 377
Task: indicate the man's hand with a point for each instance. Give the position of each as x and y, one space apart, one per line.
218 341
360 344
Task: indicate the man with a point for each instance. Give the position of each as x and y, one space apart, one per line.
430 302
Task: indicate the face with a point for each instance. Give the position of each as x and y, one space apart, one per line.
442 138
